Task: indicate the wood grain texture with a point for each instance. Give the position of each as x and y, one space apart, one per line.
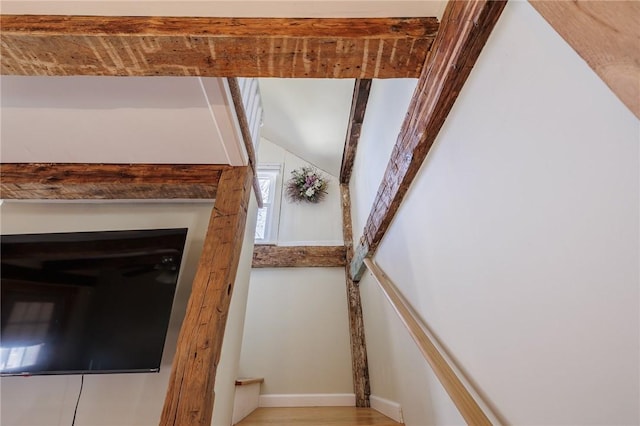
464 30
467 406
606 34
236 96
249 381
215 47
28 181
190 394
267 256
359 101
359 358
317 416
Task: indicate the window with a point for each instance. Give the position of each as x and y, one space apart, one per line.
269 214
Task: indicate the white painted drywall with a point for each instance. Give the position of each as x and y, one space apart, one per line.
308 117
91 119
518 243
230 8
231 347
386 110
247 398
304 223
123 399
297 331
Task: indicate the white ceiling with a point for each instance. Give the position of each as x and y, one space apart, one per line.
308 117
114 120
230 8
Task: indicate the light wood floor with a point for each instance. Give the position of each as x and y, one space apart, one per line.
317 416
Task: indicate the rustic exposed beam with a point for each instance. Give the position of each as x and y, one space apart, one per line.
241 113
27 181
358 108
464 30
359 360
265 256
190 395
215 47
606 35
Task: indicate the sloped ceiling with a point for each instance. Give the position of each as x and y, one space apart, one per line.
308 117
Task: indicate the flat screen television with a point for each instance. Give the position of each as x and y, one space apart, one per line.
87 302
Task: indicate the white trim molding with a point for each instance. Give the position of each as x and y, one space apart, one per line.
323 243
391 409
218 97
308 400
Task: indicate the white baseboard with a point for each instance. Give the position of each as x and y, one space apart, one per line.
390 409
246 400
310 243
308 400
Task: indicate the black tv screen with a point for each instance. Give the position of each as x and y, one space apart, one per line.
87 302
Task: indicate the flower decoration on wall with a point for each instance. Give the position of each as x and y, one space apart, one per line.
306 184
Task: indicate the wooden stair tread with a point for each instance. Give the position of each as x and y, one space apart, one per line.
243 381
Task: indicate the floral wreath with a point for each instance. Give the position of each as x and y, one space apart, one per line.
306 184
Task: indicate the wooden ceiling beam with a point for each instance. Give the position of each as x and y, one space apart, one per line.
190 393
215 47
359 358
605 35
464 30
27 181
266 256
361 91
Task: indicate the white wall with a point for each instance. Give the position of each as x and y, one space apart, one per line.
230 356
296 330
121 399
519 243
386 109
304 223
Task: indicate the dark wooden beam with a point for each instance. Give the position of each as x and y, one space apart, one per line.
359 360
265 256
606 35
190 395
215 47
28 181
464 30
358 108
241 113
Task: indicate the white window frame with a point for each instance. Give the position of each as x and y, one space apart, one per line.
273 172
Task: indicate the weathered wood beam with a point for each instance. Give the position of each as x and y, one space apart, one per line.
241 113
190 395
606 35
215 47
28 181
464 30
359 360
266 256
358 108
